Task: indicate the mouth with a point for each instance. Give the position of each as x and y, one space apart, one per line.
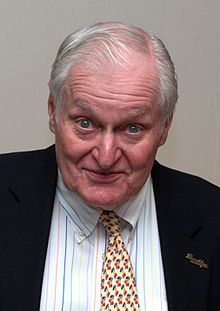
103 177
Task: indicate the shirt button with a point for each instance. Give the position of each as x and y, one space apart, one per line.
130 239
103 256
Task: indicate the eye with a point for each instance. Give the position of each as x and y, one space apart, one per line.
134 129
85 123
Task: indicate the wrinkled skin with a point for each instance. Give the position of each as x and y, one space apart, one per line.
108 131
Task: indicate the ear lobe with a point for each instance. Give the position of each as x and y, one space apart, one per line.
165 130
52 114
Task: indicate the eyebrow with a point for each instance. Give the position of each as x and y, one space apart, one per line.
134 112
137 113
82 105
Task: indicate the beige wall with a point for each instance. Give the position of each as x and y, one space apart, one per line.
31 31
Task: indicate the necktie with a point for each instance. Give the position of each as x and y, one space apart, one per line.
118 287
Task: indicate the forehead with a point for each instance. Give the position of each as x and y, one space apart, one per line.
137 69
114 88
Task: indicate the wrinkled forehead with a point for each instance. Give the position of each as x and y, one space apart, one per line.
135 84
135 69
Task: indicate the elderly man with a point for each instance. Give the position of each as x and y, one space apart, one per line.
95 223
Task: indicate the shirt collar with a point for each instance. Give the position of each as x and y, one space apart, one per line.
86 218
131 210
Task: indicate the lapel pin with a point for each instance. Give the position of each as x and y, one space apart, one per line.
198 262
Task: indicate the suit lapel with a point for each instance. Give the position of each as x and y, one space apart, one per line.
180 228
31 195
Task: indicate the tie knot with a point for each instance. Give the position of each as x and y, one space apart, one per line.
111 222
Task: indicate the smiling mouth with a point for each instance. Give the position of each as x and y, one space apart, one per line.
103 177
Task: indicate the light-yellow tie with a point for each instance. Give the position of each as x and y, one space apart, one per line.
118 287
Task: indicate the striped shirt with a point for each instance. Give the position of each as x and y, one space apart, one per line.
76 249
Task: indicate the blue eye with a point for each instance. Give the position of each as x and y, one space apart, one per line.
85 123
133 129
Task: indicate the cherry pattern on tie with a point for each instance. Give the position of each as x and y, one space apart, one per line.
118 286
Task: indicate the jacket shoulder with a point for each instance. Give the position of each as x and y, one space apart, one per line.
183 189
177 178
190 198
20 163
24 155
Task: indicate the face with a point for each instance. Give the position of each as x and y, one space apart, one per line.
108 131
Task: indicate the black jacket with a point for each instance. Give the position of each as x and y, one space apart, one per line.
188 211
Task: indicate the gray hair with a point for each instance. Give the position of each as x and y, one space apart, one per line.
92 45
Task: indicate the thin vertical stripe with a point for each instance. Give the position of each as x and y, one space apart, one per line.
96 269
151 257
79 279
48 269
57 257
136 250
64 266
87 285
72 281
143 259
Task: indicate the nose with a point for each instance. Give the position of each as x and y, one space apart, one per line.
107 152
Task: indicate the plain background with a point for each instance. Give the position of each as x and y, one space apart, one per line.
31 32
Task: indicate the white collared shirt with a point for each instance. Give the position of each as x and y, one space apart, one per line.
76 249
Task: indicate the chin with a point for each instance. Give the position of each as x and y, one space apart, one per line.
105 205
105 202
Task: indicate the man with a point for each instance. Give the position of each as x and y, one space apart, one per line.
112 97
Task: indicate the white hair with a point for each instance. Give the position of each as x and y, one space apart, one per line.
95 44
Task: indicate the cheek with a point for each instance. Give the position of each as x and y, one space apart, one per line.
72 153
66 142
68 155
142 157
66 152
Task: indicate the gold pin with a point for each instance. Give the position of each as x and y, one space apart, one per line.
198 262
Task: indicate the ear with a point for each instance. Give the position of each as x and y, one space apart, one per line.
52 114
165 130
